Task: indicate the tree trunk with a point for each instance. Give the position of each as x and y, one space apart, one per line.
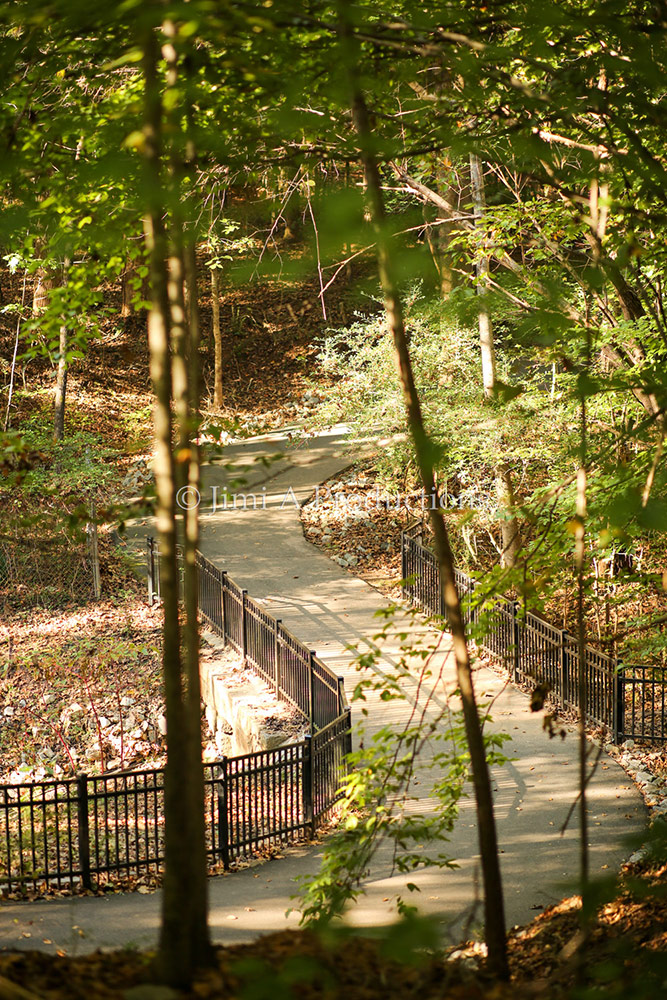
509 526
494 919
199 875
127 289
217 337
61 387
184 942
487 346
439 235
61 375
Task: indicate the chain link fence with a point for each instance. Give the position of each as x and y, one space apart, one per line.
37 571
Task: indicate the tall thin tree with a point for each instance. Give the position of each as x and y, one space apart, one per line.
509 525
184 940
494 918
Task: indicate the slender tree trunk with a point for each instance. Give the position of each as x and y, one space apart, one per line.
217 336
184 940
199 886
61 387
494 918
580 565
580 562
61 375
12 370
186 390
509 526
443 233
487 346
127 289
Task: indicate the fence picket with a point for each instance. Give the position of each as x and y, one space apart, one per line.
83 830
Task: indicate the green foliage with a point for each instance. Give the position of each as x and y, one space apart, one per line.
71 468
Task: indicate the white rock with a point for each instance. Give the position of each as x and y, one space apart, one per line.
49 698
628 745
104 722
162 725
8 712
643 778
126 701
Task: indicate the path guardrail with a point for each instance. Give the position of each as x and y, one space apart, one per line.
630 700
76 832
288 666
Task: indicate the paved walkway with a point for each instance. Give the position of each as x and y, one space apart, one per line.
327 607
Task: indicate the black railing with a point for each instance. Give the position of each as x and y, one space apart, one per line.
74 832
289 667
630 700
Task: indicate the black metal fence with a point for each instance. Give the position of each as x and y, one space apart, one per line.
629 699
292 670
73 833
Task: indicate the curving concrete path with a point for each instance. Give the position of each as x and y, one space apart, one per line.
327 607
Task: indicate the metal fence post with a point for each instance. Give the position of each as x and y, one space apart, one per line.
223 816
244 637
83 827
223 588
308 776
150 569
619 703
276 655
516 658
404 565
311 690
348 732
564 683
